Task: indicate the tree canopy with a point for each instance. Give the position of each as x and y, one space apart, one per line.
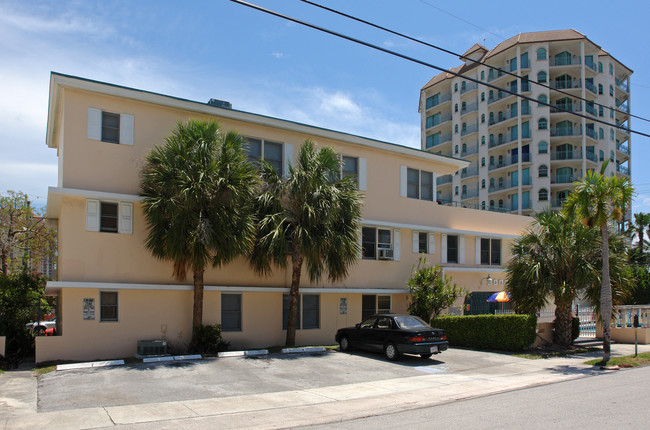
431 291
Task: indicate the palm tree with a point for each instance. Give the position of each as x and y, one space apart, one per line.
198 190
638 228
556 257
596 200
313 216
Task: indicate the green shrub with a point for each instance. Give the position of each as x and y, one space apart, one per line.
207 339
495 332
575 329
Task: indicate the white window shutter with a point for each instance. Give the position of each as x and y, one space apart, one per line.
461 250
94 124
416 242
434 183
360 253
92 215
402 181
432 243
478 250
363 186
126 218
126 129
288 158
443 248
397 246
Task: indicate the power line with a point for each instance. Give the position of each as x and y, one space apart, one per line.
447 51
462 19
424 63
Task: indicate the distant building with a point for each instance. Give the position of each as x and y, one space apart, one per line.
525 156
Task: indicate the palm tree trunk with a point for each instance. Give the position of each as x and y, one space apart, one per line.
563 323
641 228
606 295
197 311
293 299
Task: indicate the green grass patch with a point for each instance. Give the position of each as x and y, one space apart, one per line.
538 355
643 359
44 369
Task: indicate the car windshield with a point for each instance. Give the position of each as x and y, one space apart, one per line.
410 321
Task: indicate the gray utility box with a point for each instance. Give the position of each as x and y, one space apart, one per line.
152 347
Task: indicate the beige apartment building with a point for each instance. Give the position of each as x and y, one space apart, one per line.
525 156
113 293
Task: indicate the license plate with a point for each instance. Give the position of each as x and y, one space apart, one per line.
434 349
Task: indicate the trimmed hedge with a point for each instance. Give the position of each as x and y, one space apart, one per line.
495 332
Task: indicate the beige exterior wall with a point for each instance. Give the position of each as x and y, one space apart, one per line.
2 345
152 304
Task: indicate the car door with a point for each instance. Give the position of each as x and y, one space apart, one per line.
364 333
380 333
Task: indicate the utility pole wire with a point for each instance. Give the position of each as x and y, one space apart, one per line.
424 63
447 51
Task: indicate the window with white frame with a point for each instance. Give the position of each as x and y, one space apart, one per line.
424 242
419 184
490 251
452 248
108 306
375 304
231 307
109 216
110 127
380 243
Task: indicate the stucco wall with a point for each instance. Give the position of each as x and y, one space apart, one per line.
2 345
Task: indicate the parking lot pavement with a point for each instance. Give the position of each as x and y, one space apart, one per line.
227 377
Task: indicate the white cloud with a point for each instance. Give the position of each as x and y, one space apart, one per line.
279 54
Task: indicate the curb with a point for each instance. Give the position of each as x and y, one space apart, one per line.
252 353
307 349
73 366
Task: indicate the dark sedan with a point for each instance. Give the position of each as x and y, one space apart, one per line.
394 334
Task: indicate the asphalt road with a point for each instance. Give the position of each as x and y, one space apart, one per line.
227 377
613 400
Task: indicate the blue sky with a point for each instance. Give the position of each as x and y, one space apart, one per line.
218 49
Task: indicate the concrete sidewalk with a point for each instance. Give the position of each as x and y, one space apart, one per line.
298 407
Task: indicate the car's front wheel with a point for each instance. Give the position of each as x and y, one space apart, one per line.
345 344
426 355
391 351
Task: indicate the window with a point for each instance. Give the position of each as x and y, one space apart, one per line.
456 191
600 89
611 134
542 147
483 205
611 69
483 162
611 90
259 149
432 101
542 124
542 100
456 107
110 127
433 140
456 128
350 167
600 67
482 118
482 140
513 64
419 184
543 171
483 96
601 111
456 87
231 312
452 248
456 149
424 242
109 217
108 306
374 304
543 195
373 239
491 203
483 78
611 156
601 155
541 77
482 183
601 133
286 301
490 251
463 86
524 60
541 54
310 311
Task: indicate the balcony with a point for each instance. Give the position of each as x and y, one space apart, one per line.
622 85
439 121
473 128
622 169
565 132
469 109
468 87
590 108
508 161
623 148
563 179
592 133
503 186
500 96
469 150
563 61
564 107
442 139
590 63
495 74
624 107
591 87
502 140
503 117
444 179
469 171
469 194
566 85
431 102
572 155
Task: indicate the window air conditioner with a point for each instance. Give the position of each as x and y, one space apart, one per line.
385 254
